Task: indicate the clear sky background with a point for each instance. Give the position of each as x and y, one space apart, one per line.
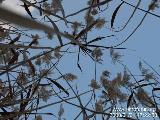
144 43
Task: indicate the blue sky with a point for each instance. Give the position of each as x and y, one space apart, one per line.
144 43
